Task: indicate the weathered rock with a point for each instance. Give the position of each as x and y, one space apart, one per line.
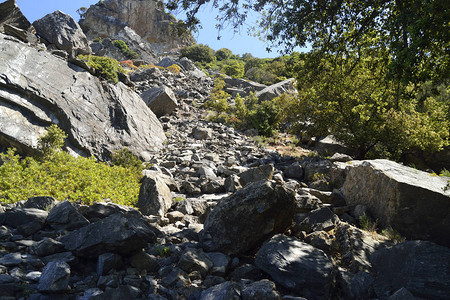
43 203
161 100
256 174
241 222
224 291
264 289
355 286
11 259
421 267
47 246
101 210
195 260
64 216
200 133
297 266
411 201
11 14
146 18
54 277
62 31
402 294
154 196
242 87
144 261
26 220
220 263
276 90
98 117
319 219
108 261
294 171
116 233
329 146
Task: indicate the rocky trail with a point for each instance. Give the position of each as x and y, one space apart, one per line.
219 216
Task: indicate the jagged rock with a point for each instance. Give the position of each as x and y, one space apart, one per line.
242 87
263 289
276 90
116 233
144 261
200 133
154 196
220 263
306 202
98 117
11 259
247 271
11 14
161 100
101 210
146 74
224 291
242 221
167 62
146 18
26 220
64 216
195 260
321 240
62 31
41 202
297 266
402 294
256 174
232 183
294 170
329 146
419 266
108 261
413 202
355 286
187 64
319 219
47 246
55 277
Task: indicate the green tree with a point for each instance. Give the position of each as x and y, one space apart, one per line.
234 68
198 52
223 54
218 99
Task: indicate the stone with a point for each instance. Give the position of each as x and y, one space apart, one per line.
116 233
355 286
421 267
108 261
144 261
63 31
297 266
26 220
306 202
321 240
294 171
264 172
220 263
64 216
101 210
47 246
55 277
232 183
247 271
161 100
244 220
40 202
195 260
402 294
329 146
154 196
146 18
263 289
319 219
277 89
11 14
11 259
224 291
175 216
175 278
207 172
200 133
98 117
412 202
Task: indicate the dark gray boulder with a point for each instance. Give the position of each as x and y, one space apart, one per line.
40 202
101 210
64 216
98 117
161 100
263 289
224 291
319 219
154 196
195 260
116 234
63 32
11 14
413 202
244 220
297 266
26 220
55 277
46 247
422 267
264 172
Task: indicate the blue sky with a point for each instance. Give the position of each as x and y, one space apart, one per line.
238 43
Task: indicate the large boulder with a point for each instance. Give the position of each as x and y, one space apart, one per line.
146 18
26 220
243 221
63 32
11 14
161 100
116 233
55 277
277 89
422 267
154 196
38 89
414 203
297 266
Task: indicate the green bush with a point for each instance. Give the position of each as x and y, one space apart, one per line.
125 49
125 158
107 67
234 68
199 52
52 141
223 54
218 100
62 176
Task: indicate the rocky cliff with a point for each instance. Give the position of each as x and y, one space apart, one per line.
145 17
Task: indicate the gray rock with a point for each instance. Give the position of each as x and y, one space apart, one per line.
207 172
11 259
223 291
161 100
306 202
116 233
411 201
200 133
26 220
329 146
46 247
144 261
175 278
321 240
119 293
64 216
277 89
187 64
167 62
154 196
11 14
54 277
419 266
402 294
195 260
108 261
319 219
355 286
43 203
63 31
175 216
101 210
220 263
264 289
256 174
232 183
98 117
247 271
294 171
242 221
296 266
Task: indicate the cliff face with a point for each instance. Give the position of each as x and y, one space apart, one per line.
146 17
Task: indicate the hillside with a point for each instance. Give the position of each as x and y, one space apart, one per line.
136 174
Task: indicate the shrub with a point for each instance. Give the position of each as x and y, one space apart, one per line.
106 66
199 52
175 69
218 98
125 158
125 50
52 141
223 54
234 68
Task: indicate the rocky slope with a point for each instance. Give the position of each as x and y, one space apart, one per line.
218 217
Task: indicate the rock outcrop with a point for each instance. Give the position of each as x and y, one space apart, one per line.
413 202
11 14
98 117
147 18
